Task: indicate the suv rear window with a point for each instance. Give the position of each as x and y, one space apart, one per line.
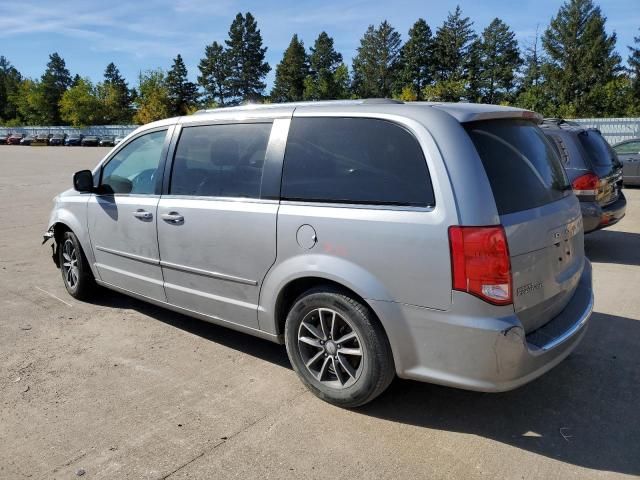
523 167
596 148
354 160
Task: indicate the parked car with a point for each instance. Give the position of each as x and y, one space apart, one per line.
118 139
90 141
41 139
594 170
3 138
108 141
73 140
15 139
439 242
28 140
57 139
629 154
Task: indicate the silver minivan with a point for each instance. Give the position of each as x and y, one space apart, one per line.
436 242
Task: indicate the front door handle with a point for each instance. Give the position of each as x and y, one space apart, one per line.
173 218
143 214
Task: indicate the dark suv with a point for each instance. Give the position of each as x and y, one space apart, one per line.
593 169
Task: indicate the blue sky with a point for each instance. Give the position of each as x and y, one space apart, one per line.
139 35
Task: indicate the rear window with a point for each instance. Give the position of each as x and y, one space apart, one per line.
523 167
354 160
596 148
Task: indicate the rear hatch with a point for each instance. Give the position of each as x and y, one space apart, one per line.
605 164
540 215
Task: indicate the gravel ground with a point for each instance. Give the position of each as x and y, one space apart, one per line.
120 389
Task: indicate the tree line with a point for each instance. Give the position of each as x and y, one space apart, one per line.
570 70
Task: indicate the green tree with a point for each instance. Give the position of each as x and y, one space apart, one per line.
324 82
291 73
246 59
10 79
532 89
451 46
117 96
183 94
499 62
80 105
153 97
375 67
54 82
214 75
581 58
30 103
416 71
634 69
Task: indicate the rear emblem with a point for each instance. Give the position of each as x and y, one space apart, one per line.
528 288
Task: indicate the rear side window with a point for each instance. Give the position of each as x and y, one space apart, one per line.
627 148
220 160
523 167
596 148
354 160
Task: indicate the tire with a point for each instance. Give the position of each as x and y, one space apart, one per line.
78 281
321 360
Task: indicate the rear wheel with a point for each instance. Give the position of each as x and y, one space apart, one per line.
337 348
76 273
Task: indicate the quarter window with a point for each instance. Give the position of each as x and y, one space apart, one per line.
354 160
220 160
627 148
134 168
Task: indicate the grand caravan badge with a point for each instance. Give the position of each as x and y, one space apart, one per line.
528 288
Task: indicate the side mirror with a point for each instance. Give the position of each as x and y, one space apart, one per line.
83 181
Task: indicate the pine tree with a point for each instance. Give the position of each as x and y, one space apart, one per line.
10 79
183 94
581 58
324 62
416 59
120 97
634 68
214 75
531 91
246 59
375 67
54 82
291 73
499 61
451 47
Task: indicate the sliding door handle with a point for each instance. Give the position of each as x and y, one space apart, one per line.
173 217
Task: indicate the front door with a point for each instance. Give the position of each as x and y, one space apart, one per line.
629 155
216 229
122 217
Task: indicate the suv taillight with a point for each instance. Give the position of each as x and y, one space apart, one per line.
480 263
586 184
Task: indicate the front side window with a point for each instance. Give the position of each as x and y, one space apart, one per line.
220 160
354 160
628 148
134 168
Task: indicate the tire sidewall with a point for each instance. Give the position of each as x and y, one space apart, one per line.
369 377
82 284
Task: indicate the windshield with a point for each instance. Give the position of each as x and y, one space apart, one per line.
597 148
522 165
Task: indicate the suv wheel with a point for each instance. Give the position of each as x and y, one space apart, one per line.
337 348
76 273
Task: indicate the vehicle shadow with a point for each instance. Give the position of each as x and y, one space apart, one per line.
242 342
611 246
583 412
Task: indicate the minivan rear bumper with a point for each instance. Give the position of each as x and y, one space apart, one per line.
478 352
595 217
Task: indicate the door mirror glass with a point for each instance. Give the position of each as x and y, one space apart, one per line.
83 181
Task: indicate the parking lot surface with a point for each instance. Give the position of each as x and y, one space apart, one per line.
121 389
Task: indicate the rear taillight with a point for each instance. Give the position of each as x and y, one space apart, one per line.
480 263
586 184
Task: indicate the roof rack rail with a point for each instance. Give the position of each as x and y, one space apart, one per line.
560 121
380 101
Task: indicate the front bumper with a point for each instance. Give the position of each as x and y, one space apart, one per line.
484 353
595 217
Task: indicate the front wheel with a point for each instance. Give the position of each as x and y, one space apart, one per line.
338 348
76 273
